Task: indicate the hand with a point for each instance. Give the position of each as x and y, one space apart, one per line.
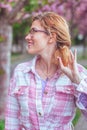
71 70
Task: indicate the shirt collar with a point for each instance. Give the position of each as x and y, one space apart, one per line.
31 65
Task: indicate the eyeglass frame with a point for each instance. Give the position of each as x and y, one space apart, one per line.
33 30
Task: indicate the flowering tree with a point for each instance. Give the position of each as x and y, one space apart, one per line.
8 15
77 15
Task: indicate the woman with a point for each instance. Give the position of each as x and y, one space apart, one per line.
45 91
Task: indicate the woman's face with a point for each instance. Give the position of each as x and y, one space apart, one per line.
37 39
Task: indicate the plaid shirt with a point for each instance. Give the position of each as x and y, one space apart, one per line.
28 109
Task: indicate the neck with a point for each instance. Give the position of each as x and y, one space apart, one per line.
45 67
46 57
47 64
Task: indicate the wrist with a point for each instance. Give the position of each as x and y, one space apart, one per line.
77 80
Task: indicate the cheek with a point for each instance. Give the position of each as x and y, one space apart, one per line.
37 39
41 41
42 38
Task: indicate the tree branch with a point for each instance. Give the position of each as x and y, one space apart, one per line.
19 5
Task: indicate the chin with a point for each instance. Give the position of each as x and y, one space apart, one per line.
31 52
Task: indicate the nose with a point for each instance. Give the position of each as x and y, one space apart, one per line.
27 37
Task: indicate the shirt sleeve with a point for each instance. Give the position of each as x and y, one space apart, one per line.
83 99
82 103
12 108
82 91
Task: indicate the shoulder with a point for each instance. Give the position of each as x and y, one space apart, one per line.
23 66
82 69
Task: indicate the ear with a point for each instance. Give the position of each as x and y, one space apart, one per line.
52 38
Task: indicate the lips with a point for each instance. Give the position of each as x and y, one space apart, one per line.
30 44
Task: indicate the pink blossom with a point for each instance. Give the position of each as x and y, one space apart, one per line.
6 6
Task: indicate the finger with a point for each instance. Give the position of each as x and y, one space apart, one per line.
72 56
75 54
64 69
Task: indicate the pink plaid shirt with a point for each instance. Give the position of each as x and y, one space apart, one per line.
28 109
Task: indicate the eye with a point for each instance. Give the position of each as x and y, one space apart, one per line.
33 30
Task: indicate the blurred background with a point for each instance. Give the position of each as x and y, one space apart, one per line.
15 21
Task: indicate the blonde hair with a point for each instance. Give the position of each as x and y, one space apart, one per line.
55 23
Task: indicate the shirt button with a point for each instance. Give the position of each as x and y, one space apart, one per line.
19 90
45 92
39 114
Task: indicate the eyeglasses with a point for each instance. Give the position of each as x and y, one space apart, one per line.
33 31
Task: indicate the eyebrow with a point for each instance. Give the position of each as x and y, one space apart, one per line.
36 28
